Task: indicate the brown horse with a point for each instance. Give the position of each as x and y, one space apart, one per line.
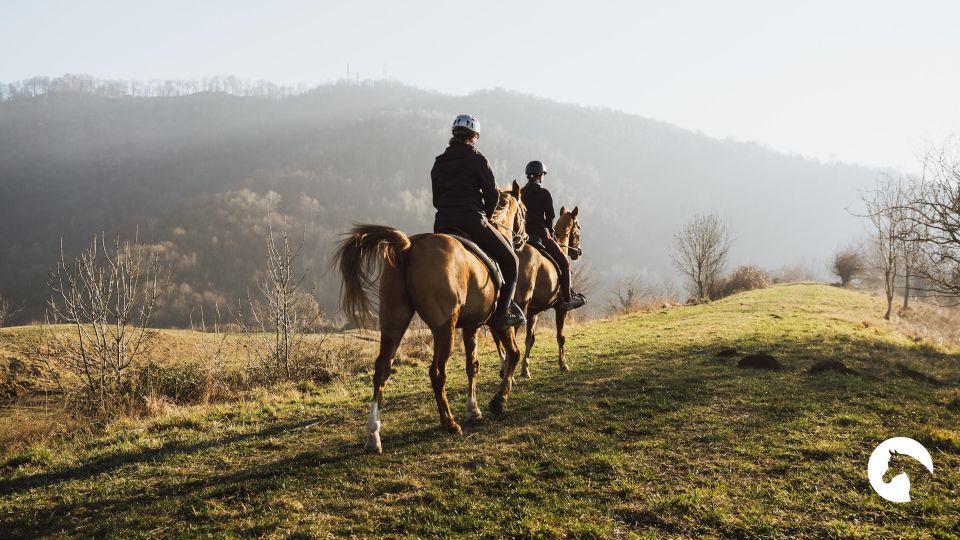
446 285
538 285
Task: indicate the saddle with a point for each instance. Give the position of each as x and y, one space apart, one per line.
537 242
492 267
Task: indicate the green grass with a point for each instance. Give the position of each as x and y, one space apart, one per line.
649 435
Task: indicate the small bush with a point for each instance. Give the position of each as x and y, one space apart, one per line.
744 278
848 264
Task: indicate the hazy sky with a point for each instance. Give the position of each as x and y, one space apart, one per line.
863 81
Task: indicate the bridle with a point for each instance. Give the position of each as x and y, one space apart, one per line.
571 249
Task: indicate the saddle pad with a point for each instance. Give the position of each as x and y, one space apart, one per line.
537 243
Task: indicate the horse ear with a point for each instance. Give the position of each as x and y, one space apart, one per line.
575 211
516 188
563 210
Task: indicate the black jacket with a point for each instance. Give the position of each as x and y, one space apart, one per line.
463 182
539 205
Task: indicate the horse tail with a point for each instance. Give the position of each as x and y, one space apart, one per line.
363 250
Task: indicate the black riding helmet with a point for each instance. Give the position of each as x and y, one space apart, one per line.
535 167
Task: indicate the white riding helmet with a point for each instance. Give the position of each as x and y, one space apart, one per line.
468 122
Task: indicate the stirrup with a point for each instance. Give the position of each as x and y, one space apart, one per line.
514 317
577 300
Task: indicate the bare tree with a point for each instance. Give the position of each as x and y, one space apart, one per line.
885 206
701 249
911 247
933 225
284 313
848 263
107 296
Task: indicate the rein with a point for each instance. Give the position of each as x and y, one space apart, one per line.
570 249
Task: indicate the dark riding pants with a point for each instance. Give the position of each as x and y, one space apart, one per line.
479 229
553 248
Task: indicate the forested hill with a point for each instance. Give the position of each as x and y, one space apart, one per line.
201 174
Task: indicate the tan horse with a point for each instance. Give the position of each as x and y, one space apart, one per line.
538 285
446 285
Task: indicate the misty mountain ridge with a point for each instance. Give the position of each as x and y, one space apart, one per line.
205 174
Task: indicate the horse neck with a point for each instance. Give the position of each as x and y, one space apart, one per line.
504 219
562 234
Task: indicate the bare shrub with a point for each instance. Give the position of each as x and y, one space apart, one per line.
7 311
107 295
701 249
848 263
744 278
418 341
276 323
582 280
630 294
796 273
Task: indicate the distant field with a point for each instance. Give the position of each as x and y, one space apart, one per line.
649 435
21 373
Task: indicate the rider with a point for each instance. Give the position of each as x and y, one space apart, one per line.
465 195
540 216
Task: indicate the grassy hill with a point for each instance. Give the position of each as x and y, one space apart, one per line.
650 434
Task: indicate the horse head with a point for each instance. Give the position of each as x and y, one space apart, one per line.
567 231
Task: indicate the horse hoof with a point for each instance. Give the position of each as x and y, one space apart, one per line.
372 446
497 405
525 373
563 366
474 416
454 429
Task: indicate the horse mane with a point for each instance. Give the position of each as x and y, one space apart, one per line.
503 205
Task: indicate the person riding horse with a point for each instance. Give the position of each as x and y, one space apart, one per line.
465 195
540 217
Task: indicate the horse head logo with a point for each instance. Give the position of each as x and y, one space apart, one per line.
898 489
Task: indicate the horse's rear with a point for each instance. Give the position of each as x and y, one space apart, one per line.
434 276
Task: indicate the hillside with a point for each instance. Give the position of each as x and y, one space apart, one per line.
649 433
202 175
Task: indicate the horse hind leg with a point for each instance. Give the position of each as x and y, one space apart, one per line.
531 338
473 369
393 324
443 337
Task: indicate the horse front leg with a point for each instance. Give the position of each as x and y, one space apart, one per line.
531 338
561 340
508 338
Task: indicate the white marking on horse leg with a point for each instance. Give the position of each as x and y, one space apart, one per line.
372 443
473 409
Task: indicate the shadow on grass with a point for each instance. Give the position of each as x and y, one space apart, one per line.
642 388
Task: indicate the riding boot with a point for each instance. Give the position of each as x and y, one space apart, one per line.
507 312
576 300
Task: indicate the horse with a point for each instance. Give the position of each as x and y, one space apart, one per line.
436 277
538 285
